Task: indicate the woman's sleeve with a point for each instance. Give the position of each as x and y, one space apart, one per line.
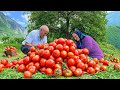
87 43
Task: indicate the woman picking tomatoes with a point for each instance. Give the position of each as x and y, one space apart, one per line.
86 41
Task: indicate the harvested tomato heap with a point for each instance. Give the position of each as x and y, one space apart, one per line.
10 51
58 58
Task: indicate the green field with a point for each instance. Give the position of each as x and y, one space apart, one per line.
12 73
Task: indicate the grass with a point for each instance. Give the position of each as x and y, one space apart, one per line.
12 73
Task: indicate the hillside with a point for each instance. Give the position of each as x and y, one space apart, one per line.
9 27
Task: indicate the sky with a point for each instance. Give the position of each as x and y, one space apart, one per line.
19 16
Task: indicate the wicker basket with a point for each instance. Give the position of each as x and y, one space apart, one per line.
11 52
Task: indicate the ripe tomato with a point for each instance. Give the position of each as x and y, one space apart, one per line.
15 62
66 48
27 74
70 54
67 73
32 69
57 72
106 62
59 47
81 65
42 62
77 61
49 71
4 61
84 60
69 42
101 60
116 65
52 44
46 54
63 54
80 51
32 49
71 62
51 49
85 51
61 41
82 56
36 58
21 68
90 70
40 52
78 72
97 69
50 63
43 69
56 53
9 65
72 49
59 60
20 61
73 68
1 67
37 65
40 46
91 63
26 60
76 52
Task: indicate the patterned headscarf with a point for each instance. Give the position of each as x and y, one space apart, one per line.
81 36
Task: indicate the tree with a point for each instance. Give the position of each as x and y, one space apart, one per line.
62 23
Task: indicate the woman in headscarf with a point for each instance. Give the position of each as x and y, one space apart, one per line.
86 41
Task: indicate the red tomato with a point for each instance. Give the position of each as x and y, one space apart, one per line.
20 61
116 65
82 56
21 68
66 48
57 66
59 60
49 71
26 60
37 65
59 47
77 61
57 72
90 70
106 62
81 65
32 55
42 62
43 69
52 44
50 63
85 51
91 63
70 54
51 57
46 54
27 74
73 68
78 72
101 60
4 61
71 62
63 54
97 69
80 51
69 42
56 53
72 49
32 49
40 46
15 62
36 58
1 67
9 65
40 52
61 41
84 60
32 69
76 52
51 49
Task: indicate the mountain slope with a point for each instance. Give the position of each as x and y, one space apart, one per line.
9 27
